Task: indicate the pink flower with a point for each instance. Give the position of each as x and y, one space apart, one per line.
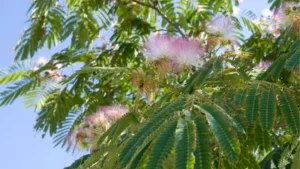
114 112
98 120
78 137
273 29
176 52
222 27
93 126
186 53
159 47
284 15
264 65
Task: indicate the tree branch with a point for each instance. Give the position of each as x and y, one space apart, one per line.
280 125
162 15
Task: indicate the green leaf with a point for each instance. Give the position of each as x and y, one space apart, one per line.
217 65
151 126
162 147
250 25
145 142
274 70
118 127
111 158
290 111
295 45
96 157
287 153
222 130
203 153
278 156
198 78
296 159
263 139
293 61
267 108
72 120
248 160
38 96
252 104
239 97
18 89
185 145
139 160
13 76
78 162
58 107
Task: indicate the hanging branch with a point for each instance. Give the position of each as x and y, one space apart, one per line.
162 15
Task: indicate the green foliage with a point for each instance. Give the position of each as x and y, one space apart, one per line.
18 89
274 70
185 145
15 72
296 162
250 25
252 104
151 126
46 29
223 113
162 147
118 127
286 154
267 108
78 162
202 152
38 96
222 130
52 116
198 78
293 61
290 111
263 138
279 157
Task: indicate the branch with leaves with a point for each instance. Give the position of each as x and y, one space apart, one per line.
154 7
211 98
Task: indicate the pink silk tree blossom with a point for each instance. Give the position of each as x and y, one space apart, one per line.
222 27
159 47
94 125
114 112
168 52
264 65
187 53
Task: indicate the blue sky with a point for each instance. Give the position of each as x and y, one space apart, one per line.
21 147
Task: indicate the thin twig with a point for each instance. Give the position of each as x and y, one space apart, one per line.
280 125
162 15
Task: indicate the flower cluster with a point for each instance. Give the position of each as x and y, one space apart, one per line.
283 17
170 53
222 30
114 112
94 125
144 83
263 65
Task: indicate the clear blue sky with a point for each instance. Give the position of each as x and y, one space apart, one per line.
21 147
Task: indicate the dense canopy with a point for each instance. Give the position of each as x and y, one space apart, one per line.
163 83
